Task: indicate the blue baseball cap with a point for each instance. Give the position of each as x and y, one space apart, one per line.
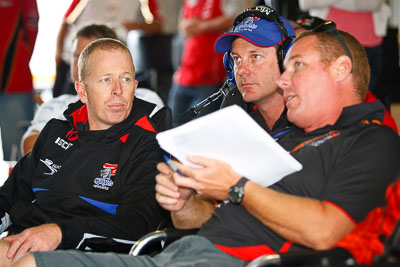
255 30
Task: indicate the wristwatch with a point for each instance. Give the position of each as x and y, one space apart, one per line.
236 192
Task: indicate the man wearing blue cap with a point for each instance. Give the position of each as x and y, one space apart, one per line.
337 139
254 52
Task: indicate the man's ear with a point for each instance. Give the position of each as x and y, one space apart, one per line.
80 88
341 68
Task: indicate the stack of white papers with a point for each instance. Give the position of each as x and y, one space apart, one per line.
231 135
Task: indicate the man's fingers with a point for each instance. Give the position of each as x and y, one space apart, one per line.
164 168
167 191
10 238
199 160
186 182
166 181
23 249
15 245
165 201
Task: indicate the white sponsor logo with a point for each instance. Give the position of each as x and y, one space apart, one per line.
62 143
53 167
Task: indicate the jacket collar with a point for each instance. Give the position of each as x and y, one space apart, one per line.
76 114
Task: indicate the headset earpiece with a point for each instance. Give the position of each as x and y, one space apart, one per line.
282 51
228 64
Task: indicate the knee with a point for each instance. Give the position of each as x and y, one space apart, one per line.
4 261
26 261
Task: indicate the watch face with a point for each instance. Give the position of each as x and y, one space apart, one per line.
236 194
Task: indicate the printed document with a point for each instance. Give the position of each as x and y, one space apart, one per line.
232 136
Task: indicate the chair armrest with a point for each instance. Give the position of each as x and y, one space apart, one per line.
296 258
309 258
103 244
160 238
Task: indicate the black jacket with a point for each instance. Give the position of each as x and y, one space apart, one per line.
88 182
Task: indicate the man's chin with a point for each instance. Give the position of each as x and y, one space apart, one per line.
117 118
249 98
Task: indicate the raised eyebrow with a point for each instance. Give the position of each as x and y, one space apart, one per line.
127 73
256 51
293 57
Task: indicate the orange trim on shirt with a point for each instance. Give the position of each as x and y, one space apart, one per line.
341 209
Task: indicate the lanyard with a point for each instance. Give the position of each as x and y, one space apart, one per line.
313 141
285 131
319 139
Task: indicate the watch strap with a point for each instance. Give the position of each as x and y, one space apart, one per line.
241 182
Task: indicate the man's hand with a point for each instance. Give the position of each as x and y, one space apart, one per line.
187 210
170 196
212 181
41 238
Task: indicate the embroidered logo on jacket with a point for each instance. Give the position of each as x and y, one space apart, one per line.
105 182
53 167
62 143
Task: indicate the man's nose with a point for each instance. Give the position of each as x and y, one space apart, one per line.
117 88
243 68
284 80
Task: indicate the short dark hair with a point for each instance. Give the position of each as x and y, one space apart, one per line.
96 30
330 49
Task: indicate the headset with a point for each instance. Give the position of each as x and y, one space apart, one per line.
269 14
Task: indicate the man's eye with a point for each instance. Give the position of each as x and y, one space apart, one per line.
105 80
298 64
126 79
256 56
236 59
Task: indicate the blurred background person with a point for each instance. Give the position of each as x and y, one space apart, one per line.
120 15
201 72
19 20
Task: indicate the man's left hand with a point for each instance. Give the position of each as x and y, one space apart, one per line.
41 238
213 180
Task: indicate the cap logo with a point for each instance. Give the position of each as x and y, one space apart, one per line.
247 25
264 9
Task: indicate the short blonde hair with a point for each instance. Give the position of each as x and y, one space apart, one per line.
103 44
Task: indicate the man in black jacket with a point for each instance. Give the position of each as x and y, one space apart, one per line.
92 175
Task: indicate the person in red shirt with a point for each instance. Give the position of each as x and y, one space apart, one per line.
201 71
19 28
